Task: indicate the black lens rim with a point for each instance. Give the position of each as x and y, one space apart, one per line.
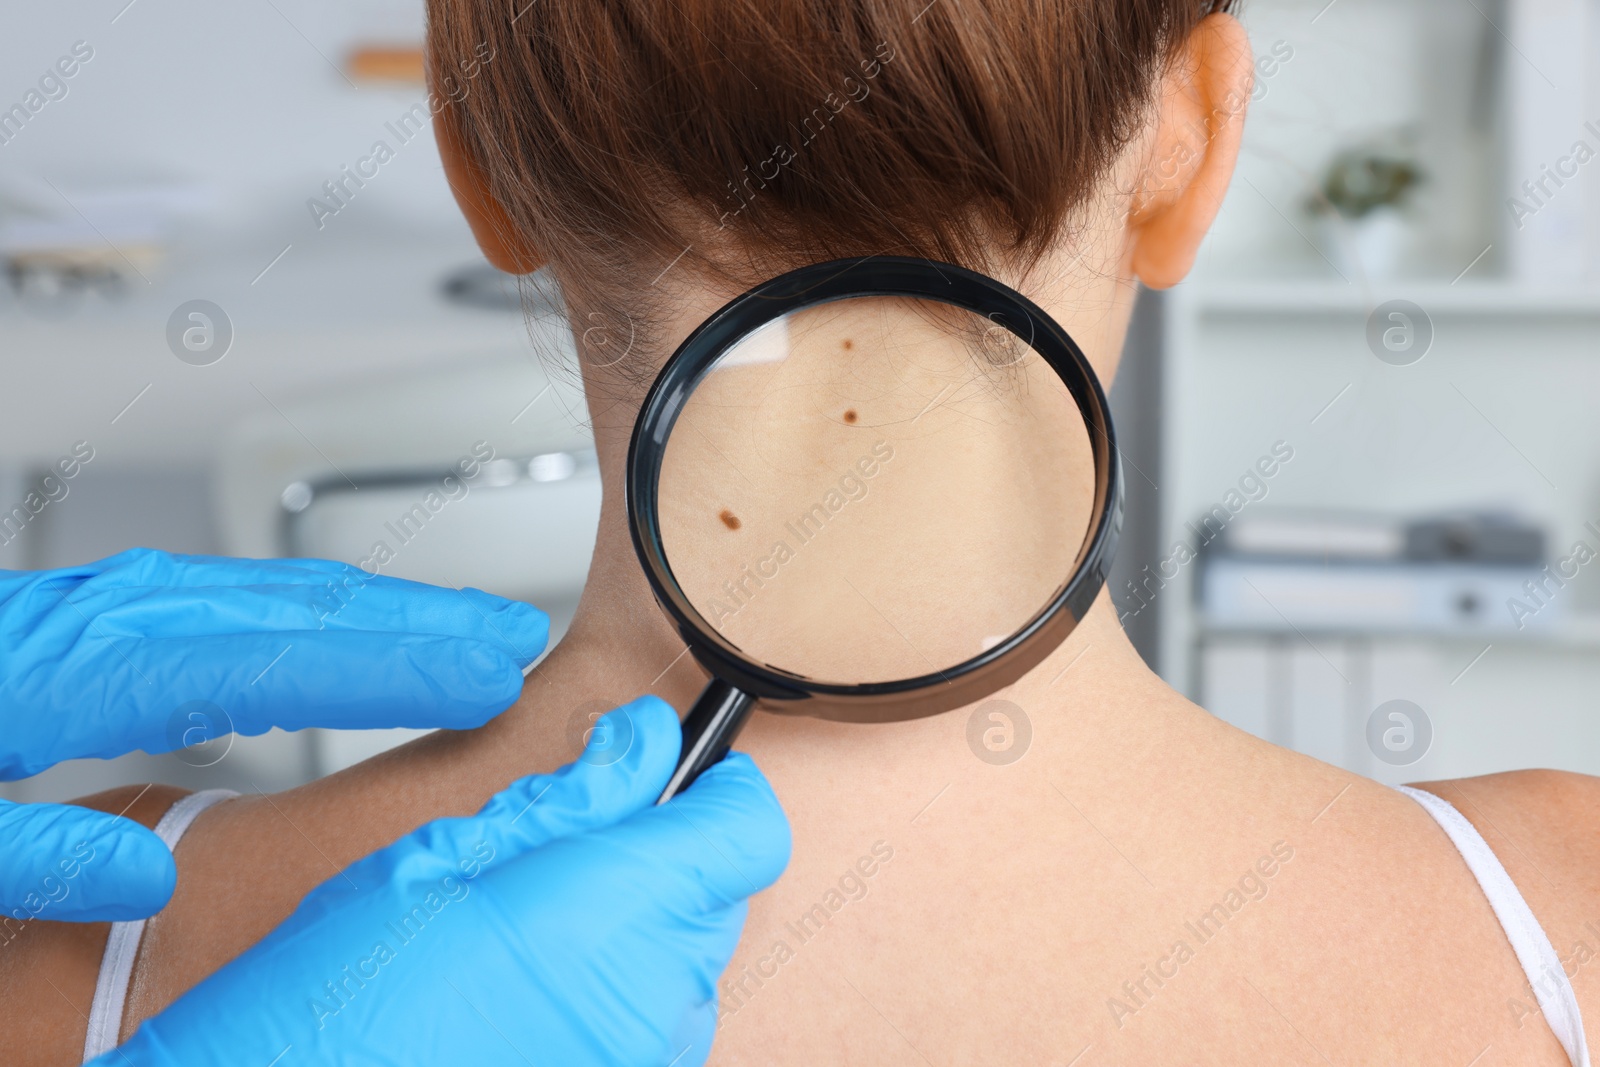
820 283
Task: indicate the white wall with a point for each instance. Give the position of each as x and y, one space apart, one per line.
1268 343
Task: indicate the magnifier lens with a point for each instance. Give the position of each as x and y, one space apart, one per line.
875 489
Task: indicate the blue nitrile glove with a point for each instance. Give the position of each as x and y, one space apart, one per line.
571 922
151 651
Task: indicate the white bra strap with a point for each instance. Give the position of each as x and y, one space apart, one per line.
1528 940
122 945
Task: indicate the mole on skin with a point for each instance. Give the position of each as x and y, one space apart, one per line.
850 415
729 519
849 344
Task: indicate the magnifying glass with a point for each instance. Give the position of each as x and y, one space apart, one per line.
870 490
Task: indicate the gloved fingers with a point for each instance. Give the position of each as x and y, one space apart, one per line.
185 570
187 599
351 599
346 681
71 864
135 567
163 694
624 767
725 837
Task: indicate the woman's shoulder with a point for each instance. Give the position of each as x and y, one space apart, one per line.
144 804
1545 822
48 1019
1544 827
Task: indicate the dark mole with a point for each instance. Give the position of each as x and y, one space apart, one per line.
729 519
850 415
849 344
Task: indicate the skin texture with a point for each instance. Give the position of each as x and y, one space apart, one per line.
939 909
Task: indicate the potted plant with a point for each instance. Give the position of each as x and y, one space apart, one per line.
1360 207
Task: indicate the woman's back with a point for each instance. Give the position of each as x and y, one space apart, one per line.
1144 885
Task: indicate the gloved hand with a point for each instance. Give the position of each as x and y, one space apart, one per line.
150 651
570 922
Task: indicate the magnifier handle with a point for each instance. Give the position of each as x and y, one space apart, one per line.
719 713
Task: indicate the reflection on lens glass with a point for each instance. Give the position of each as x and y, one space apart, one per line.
875 489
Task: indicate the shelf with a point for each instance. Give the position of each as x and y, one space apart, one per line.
1579 632
1500 299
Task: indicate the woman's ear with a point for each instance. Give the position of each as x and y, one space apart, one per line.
1198 128
497 237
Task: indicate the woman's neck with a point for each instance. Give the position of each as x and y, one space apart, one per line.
621 644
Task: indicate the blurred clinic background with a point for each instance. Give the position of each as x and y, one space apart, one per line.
1363 440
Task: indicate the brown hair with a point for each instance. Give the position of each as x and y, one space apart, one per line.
620 135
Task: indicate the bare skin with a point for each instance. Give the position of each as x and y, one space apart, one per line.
972 913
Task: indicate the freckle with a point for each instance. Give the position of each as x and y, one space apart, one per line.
849 344
729 519
850 415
